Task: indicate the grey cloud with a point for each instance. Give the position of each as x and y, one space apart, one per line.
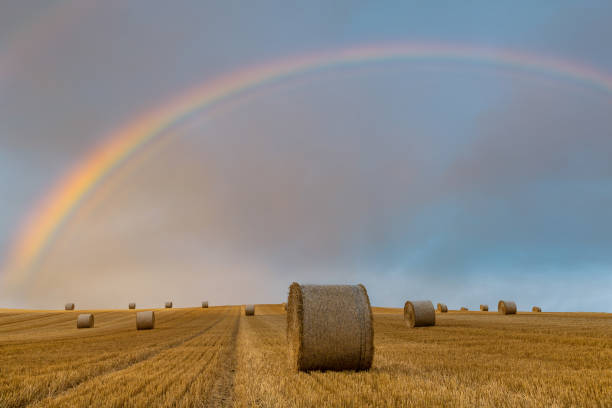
414 180
286 187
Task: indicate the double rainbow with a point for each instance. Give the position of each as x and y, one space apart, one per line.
64 198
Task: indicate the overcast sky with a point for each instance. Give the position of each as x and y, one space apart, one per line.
451 181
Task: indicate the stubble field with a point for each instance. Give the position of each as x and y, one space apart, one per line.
219 357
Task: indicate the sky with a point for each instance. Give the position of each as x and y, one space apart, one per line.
453 179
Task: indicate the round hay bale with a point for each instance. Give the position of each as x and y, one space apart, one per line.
145 320
285 306
484 308
506 307
442 308
69 306
132 305
419 313
249 310
169 305
85 321
329 327
536 309
205 304
464 309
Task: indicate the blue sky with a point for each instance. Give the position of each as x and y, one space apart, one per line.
452 181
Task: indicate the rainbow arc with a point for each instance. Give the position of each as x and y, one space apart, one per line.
47 217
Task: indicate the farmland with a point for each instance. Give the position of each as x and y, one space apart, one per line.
219 357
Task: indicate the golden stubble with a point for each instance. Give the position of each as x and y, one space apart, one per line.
219 357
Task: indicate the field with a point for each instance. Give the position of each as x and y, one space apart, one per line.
219 357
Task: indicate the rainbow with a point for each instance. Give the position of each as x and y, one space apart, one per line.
64 198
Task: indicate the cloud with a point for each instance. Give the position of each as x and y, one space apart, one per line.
317 183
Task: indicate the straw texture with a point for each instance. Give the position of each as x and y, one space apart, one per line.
132 306
249 310
85 321
169 305
484 308
329 327
145 320
442 308
419 313
506 307
69 306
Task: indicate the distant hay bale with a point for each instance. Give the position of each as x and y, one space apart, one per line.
484 308
536 309
85 321
249 310
69 306
506 307
442 308
419 313
463 309
145 320
169 305
205 304
329 327
132 305
285 306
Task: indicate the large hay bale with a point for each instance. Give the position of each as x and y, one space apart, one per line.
329 327
132 305
69 306
464 309
85 321
145 320
506 307
249 310
419 313
169 305
536 309
205 304
484 308
442 308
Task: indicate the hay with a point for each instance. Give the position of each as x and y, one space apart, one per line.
329 327
132 306
419 313
506 307
169 305
69 306
536 309
205 304
145 320
464 309
285 306
484 308
85 321
249 310
442 308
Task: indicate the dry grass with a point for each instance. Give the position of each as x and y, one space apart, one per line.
442 308
249 310
419 313
218 357
329 327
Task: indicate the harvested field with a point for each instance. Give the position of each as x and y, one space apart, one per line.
219 357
